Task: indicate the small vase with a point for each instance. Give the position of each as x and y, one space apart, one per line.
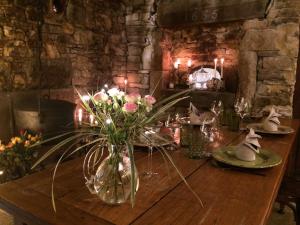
112 181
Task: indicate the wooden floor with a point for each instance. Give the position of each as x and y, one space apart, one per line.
275 218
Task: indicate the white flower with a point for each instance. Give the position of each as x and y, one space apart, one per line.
113 92
121 94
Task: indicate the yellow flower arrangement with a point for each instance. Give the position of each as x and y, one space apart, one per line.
17 156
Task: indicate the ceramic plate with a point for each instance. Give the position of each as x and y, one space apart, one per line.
265 159
281 129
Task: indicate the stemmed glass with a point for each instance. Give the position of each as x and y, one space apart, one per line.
149 135
242 108
217 109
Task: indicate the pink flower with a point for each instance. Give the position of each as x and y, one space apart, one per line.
133 97
130 107
100 97
150 100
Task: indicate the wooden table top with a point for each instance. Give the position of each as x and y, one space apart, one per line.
230 196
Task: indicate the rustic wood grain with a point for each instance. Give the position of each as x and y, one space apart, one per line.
230 197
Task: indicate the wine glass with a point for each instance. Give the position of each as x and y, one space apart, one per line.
217 109
173 124
149 135
242 108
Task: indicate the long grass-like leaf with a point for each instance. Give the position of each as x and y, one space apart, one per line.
132 170
170 98
182 177
163 109
56 147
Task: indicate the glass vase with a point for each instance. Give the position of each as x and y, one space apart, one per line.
112 181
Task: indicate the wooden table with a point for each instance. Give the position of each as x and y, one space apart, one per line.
230 197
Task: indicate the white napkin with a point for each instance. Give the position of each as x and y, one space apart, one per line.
251 141
273 116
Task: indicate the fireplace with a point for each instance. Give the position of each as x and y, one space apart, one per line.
134 45
259 41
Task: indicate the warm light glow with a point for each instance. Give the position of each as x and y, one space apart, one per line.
105 86
91 119
108 121
189 63
85 98
216 61
1 172
222 61
125 81
79 116
177 63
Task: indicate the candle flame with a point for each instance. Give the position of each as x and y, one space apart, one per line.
189 63
80 115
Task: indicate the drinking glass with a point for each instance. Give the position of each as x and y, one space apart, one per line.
217 109
242 108
149 136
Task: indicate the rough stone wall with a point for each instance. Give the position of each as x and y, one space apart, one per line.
83 47
268 57
202 44
144 52
260 53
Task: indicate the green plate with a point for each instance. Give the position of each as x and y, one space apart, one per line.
264 159
257 127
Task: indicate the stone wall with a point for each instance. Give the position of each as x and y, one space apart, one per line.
144 52
268 57
202 44
82 47
260 54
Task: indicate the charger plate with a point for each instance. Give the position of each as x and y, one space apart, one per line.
265 159
258 128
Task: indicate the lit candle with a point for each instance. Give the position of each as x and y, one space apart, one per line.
79 116
189 63
222 63
216 61
177 63
190 79
91 119
125 85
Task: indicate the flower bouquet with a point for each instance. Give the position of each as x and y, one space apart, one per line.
118 120
16 157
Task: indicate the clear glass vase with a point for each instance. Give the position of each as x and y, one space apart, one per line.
112 181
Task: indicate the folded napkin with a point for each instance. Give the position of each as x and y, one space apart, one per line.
249 147
272 122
